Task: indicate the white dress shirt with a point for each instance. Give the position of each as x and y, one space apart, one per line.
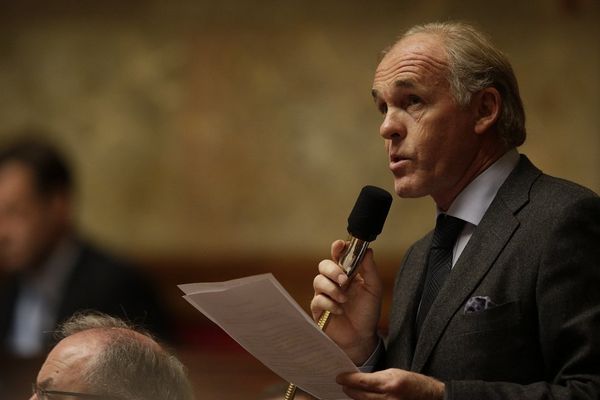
471 204
38 300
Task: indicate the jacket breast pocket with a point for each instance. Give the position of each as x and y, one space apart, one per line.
501 316
486 345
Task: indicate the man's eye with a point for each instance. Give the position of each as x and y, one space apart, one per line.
382 109
412 100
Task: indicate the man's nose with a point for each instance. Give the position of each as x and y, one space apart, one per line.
392 126
4 236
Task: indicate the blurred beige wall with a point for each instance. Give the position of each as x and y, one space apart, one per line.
205 128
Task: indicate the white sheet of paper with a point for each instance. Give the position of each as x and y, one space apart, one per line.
262 317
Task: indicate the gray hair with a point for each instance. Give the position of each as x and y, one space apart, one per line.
132 365
475 64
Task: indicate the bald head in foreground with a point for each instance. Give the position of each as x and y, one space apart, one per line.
101 356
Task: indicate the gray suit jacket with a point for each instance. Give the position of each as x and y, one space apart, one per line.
536 255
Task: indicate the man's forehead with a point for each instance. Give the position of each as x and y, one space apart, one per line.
412 59
80 344
16 170
420 43
69 359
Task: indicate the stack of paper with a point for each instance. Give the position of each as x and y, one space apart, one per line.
262 317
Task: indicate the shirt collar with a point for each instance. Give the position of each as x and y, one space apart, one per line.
472 203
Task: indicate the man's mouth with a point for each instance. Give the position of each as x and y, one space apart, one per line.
394 158
397 161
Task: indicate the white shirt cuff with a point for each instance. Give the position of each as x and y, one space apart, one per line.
369 365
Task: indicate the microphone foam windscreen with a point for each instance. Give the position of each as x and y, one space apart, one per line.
369 213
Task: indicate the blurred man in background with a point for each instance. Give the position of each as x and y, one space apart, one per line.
106 358
47 271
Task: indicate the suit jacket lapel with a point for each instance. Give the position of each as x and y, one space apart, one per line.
9 292
488 240
401 343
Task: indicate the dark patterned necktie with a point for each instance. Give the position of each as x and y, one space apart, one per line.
439 262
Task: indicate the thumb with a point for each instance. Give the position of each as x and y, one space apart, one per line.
337 248
368 271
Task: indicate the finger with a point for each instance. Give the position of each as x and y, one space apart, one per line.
323 285
333 271
321 303
356 386
368 272
370 382
358 394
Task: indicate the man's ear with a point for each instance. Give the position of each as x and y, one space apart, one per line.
488 103
59 205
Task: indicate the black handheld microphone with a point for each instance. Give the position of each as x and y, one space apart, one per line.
365 222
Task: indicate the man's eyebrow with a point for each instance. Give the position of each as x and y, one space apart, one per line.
405 83
400 83
46 383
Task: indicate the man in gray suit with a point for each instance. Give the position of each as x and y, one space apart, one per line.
516 315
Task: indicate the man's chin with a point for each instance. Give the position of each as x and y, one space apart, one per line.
406 191
12 266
